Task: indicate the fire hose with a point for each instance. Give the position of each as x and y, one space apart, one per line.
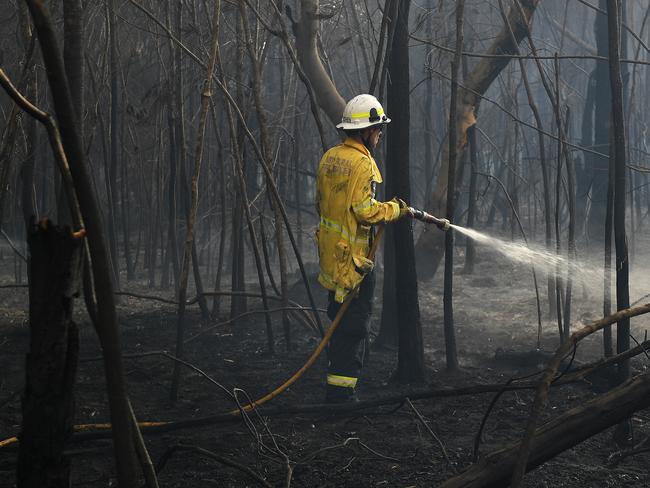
427 218
417 214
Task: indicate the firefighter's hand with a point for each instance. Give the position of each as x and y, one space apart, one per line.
404 209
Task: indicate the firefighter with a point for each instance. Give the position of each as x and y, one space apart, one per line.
346 204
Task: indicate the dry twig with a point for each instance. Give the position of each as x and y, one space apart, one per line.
433 434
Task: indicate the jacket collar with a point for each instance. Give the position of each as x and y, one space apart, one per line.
353 143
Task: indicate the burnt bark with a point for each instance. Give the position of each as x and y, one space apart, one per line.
111 183
624 431
410 361
388 329
608 345
450 334
602 117
51 364
73 26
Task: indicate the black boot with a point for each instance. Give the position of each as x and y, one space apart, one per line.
338 394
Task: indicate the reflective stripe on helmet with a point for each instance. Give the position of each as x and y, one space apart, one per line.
366 115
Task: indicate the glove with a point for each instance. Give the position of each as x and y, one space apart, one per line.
404 209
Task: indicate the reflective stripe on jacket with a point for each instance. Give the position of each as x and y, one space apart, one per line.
345 201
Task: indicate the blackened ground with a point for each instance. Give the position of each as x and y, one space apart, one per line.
382 447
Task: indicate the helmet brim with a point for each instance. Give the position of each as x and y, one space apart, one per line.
360 125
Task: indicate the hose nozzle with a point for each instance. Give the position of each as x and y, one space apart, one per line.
427 218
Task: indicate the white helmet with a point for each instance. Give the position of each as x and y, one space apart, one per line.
361 112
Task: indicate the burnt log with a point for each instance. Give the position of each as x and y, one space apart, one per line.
558 435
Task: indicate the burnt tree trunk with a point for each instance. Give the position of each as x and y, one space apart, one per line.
584 169
51 365
624 431
73 31
115 143
608 345
239 304
603 103
450 334
410 362
388 336
28 197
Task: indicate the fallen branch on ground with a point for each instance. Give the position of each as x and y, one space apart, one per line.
544 384
554 437
100 431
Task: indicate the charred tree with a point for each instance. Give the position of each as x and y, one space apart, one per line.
585 167
450 334
171 248
410 362
51 365
239 304
602 116
620 155
73 26
388 328
111 183
73 60
28 197
216 303
608 345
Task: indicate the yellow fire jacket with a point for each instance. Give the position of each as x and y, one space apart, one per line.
345 202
